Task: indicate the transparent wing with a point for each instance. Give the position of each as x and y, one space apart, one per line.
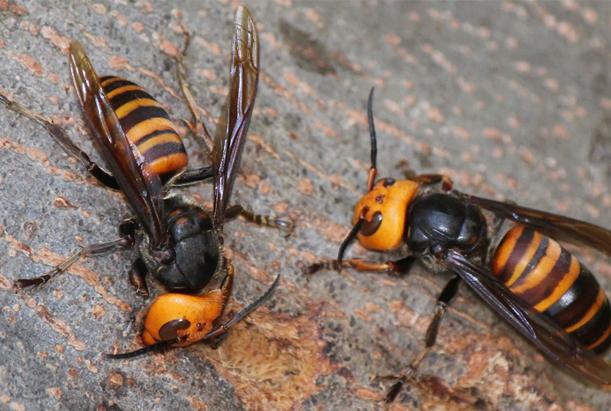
142 187
235 117
554 225
558 346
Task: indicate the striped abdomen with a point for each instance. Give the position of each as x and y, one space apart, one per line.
147 125
547 277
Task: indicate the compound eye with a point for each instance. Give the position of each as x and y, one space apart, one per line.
370 227
169 331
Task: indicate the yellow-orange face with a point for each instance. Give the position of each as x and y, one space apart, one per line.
385 208
188 317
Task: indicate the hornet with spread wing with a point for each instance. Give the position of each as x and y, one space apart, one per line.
178 242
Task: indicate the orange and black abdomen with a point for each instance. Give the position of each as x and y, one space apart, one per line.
550 279
147 125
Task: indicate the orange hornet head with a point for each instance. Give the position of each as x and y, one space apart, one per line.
182 317
383 212
379 216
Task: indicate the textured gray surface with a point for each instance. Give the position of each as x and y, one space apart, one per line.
512 99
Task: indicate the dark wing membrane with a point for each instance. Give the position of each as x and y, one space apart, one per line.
560 347
554 225
141 187
235 116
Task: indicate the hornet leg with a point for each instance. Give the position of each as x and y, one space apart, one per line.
137 277
103 176
445 297
138 271
397 267
192 176
194 109
196 124
237 210
89 251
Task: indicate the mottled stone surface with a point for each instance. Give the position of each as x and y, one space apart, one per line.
511 98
